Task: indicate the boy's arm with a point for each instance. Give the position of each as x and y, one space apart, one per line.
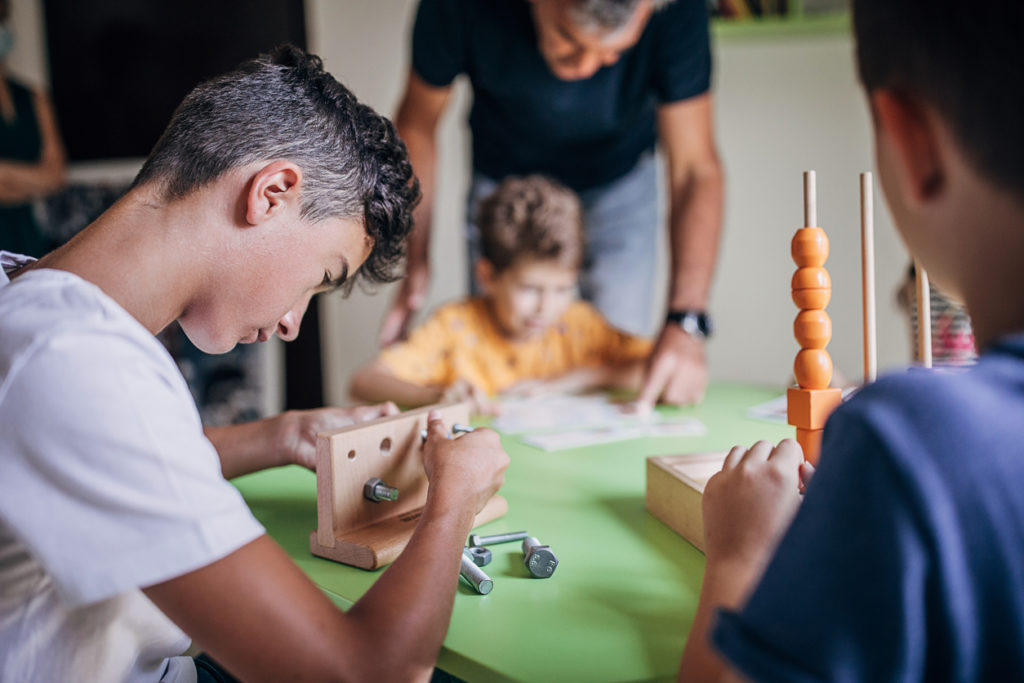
374 382
747 506
285 439
260 616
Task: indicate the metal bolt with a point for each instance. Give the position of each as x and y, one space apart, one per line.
475 539
461 429
538 558
423 432
376 490
481 556
474 575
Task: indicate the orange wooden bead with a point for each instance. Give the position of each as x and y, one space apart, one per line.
813 368
811 298
809 247
812 277
812 328
812 287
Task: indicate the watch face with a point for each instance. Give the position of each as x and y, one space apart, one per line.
696 323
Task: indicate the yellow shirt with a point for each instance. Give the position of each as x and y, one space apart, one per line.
462 341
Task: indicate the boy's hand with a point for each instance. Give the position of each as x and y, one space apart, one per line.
296 430
470 467
463 390
532 388
749 504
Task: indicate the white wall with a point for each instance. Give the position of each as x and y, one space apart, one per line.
783 105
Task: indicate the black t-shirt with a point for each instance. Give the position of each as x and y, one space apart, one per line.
526 120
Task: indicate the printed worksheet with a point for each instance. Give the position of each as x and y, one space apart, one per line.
555 423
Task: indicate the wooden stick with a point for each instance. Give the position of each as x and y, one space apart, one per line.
810 201
924 317
867 257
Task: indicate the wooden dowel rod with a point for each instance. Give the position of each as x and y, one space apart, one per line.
867 256
810 201
924 317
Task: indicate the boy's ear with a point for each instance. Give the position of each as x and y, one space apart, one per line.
909 130
271 189
484 274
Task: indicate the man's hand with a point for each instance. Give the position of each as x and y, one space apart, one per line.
676 372
750 503
470 467
295 430
407 302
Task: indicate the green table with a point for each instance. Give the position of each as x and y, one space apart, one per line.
619 606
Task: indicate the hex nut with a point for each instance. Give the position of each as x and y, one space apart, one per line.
480 555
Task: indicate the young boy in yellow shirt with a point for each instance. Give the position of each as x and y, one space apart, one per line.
528 333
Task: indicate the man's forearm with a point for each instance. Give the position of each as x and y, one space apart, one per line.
695 220
422 149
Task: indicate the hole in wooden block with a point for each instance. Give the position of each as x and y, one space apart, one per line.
385 447
352 455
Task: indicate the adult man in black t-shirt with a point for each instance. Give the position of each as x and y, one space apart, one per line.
581 90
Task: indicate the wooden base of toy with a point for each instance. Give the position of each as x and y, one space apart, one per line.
380 544
360 532
675 490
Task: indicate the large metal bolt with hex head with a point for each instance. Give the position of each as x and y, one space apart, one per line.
495 539
539 559
376 490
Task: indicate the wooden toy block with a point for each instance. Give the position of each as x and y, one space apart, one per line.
354 530
675 489
809 408
810 442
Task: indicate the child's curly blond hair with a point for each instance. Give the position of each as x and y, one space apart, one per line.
531 217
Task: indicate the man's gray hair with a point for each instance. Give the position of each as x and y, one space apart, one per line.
607 15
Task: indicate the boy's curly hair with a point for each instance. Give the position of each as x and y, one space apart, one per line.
285 106
531 217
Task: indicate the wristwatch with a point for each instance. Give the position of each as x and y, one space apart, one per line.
694 322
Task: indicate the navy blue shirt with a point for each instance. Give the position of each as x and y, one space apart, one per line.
525 120
906 559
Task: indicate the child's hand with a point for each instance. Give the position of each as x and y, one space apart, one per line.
463 390
531 388
470 467
749 504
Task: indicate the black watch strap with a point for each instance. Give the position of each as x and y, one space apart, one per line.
695 322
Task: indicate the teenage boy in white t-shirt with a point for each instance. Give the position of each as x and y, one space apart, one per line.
119 534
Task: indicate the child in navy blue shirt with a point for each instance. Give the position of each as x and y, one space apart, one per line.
905 560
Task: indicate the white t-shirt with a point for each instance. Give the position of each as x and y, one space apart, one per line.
107 484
